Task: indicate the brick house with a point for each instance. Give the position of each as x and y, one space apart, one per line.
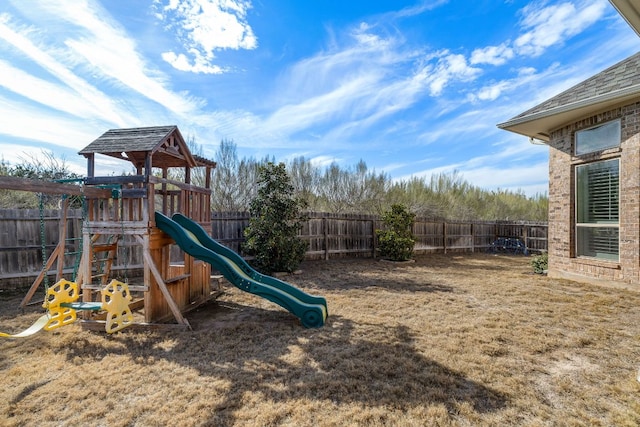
593 134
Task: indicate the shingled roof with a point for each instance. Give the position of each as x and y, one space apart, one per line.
164 143
613 86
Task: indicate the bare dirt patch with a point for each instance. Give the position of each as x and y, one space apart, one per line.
447 340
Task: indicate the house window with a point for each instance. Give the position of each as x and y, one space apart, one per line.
597 209
598 138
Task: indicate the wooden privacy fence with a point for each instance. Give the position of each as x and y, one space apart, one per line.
329 236
22 244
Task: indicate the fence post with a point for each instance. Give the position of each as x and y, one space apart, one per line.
374 241
444 236
473 239
325 230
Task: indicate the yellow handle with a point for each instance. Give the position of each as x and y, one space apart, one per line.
115 300
62 292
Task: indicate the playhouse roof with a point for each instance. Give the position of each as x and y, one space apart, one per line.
164 143
613 86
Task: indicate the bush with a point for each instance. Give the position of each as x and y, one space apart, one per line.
276 217
540 263
396 242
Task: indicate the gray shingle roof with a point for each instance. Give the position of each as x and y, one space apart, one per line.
614 86
134 139
164 143
620 76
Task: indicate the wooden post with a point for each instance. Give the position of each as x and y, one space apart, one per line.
160 281
473 239
165 175
325 230
444 236
90 165
43 272
62 235
374 240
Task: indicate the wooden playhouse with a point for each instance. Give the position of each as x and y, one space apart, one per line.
126 213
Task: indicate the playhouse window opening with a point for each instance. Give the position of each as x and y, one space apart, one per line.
597 210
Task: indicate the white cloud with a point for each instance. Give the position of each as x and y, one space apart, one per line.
323 161
199 65
518 166
56 96
489 93
547 25
19 39
92 38
449 67
29 122
204 27
494 55
111 52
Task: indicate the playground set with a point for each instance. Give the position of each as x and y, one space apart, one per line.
156 213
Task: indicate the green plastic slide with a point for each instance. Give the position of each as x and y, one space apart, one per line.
194 240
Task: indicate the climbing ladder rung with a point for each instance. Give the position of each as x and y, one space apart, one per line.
105 247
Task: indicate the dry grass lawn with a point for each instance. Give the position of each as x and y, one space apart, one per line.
469 340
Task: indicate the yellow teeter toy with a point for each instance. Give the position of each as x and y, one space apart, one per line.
115 300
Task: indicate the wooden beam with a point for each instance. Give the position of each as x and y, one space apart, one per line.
163 287
115 180
58 251
49 187
90 164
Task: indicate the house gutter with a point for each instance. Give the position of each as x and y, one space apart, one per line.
593 102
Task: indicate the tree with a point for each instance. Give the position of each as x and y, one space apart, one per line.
396 242
305 179
45 167
234 180
353 189
275 220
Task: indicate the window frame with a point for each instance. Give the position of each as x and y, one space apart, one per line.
617 143
581 226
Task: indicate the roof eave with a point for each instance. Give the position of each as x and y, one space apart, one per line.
629 11
540 125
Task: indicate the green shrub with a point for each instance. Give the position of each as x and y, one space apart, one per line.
396 241
275 219
540 263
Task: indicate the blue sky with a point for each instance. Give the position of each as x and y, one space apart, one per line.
410 87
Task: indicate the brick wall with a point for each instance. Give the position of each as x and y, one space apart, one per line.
562 163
